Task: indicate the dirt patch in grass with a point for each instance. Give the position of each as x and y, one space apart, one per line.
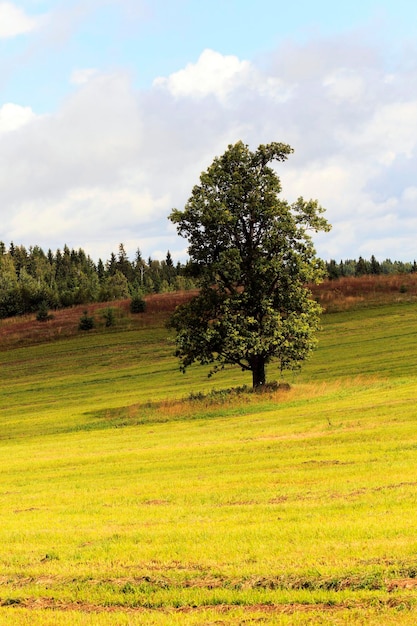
358 493
402 583
349 581
222 609
392 594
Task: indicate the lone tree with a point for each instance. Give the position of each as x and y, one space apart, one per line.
253 256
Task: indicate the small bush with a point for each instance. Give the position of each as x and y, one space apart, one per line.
42 314
137 304
109 317
50 556
219 395
273 386
222 395
86 322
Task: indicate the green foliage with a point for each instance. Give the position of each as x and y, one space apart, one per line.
115 287
86 322
253 255
361 267
109 317
9 293
219 396
43 314
137 303
69 277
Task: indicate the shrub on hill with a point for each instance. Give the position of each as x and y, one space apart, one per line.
109 317
43 314
86 322
137 304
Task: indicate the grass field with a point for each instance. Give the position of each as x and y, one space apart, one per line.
123 501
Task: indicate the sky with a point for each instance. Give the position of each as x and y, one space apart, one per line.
111 109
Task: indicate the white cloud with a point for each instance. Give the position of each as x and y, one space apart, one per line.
345 84
111 162
392 131
81 174
81 77
14 116
14 21
410 194
332 181
93 137
213 74
95 207
222 77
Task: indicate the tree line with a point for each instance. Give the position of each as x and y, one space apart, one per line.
32 278
362 267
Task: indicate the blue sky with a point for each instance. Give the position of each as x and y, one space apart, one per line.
109 111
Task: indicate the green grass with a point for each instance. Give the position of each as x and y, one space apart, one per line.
373 342
123 502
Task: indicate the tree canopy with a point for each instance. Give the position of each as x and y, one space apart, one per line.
253 255
31 279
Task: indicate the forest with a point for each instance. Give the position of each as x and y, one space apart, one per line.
31 278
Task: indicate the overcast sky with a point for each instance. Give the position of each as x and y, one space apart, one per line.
110 110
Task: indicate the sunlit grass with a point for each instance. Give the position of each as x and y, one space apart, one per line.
119 492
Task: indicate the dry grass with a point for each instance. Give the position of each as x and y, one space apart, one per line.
352 292
25 329
334 295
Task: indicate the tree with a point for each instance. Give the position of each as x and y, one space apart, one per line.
100 271
9 287
86 322
253 255
361 267
115 287
111 265
333 271
137 303
123 264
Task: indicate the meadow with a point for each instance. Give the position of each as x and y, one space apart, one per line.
133 494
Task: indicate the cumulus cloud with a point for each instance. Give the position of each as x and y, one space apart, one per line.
220 76
353 126
95 208
391 131
212 74
13 116
82 76
95 134
80 174
112 161
14 21
345 84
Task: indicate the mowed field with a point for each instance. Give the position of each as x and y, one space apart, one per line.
130 494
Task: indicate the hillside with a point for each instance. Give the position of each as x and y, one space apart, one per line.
334 295
25 329
133 494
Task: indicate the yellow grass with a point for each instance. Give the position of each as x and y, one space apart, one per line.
288 507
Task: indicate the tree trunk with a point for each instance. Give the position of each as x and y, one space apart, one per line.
258 371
